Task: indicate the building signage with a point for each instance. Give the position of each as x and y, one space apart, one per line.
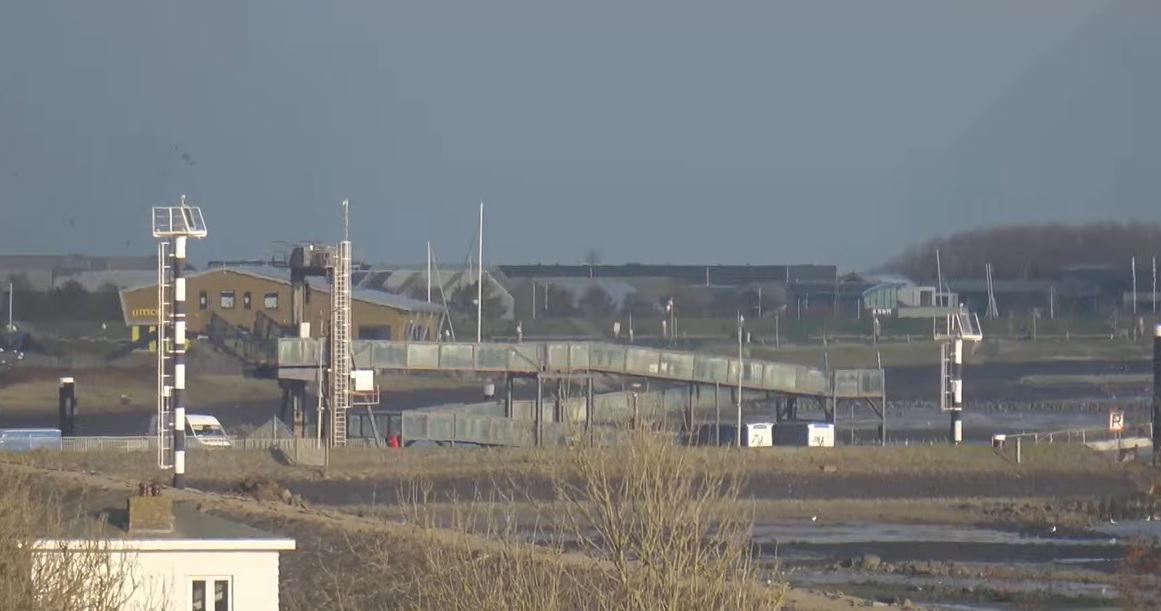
143 312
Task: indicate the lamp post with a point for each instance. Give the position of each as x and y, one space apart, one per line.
738 434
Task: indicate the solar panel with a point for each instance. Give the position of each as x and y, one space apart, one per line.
174 221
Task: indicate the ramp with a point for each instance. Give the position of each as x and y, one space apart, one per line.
297 358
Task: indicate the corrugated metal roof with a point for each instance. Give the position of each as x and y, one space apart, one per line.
368 295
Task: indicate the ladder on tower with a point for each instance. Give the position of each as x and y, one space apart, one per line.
164 357
341 344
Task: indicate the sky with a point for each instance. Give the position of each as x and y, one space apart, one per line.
675 131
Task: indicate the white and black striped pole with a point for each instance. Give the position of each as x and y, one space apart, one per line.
179 361
957 391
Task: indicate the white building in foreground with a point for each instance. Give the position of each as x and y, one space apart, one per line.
155 555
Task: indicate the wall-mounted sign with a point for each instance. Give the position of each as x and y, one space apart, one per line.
143 312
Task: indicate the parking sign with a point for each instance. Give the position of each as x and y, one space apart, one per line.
1116 421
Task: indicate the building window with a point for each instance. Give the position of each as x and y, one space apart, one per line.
211 594
246 304
270 301
203 300
227 300
375 332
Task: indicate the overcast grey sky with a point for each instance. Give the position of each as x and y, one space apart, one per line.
654 131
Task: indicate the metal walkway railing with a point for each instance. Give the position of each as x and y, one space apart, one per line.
297 358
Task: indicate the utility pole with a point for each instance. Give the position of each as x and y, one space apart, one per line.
480 281
738 434
11 328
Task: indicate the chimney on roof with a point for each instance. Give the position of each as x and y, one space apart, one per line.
149 512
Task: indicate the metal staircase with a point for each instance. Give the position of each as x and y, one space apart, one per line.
340 378
164 366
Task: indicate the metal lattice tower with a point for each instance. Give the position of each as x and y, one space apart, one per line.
340 379
172 227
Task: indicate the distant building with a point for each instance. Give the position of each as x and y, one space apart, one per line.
152 553
705 275
240 294
43 271
412 282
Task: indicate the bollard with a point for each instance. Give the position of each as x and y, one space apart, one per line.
67 404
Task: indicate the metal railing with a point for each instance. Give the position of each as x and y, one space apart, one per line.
1082 435
298 357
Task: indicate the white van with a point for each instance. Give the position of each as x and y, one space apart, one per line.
207 431
201 430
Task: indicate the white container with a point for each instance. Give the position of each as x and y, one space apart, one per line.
759 435
804 434
364 380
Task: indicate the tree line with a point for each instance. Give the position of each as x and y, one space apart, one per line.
69 301
1030 251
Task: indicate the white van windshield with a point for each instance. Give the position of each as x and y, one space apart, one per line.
207 430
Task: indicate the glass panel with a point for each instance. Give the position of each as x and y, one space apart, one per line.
221 595
199 596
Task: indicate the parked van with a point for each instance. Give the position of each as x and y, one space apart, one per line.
201 430
22 440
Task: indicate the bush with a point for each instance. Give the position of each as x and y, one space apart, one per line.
86 576
660 526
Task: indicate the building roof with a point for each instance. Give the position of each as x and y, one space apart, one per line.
373 296
95 280
105 518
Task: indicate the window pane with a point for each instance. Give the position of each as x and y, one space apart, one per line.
221 595
199 596
203 300
270 301
227 300
246 300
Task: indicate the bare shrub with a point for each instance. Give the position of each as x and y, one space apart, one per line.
656 525
666 519
46 565
1139 580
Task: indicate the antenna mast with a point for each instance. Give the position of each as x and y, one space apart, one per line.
340 335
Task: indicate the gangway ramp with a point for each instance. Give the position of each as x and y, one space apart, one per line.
298 358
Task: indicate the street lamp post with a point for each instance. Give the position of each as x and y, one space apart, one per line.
741 324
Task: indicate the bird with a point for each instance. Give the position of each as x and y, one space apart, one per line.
813 518
1053 528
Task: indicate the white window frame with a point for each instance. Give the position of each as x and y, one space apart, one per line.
227 294
209 581
269 298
